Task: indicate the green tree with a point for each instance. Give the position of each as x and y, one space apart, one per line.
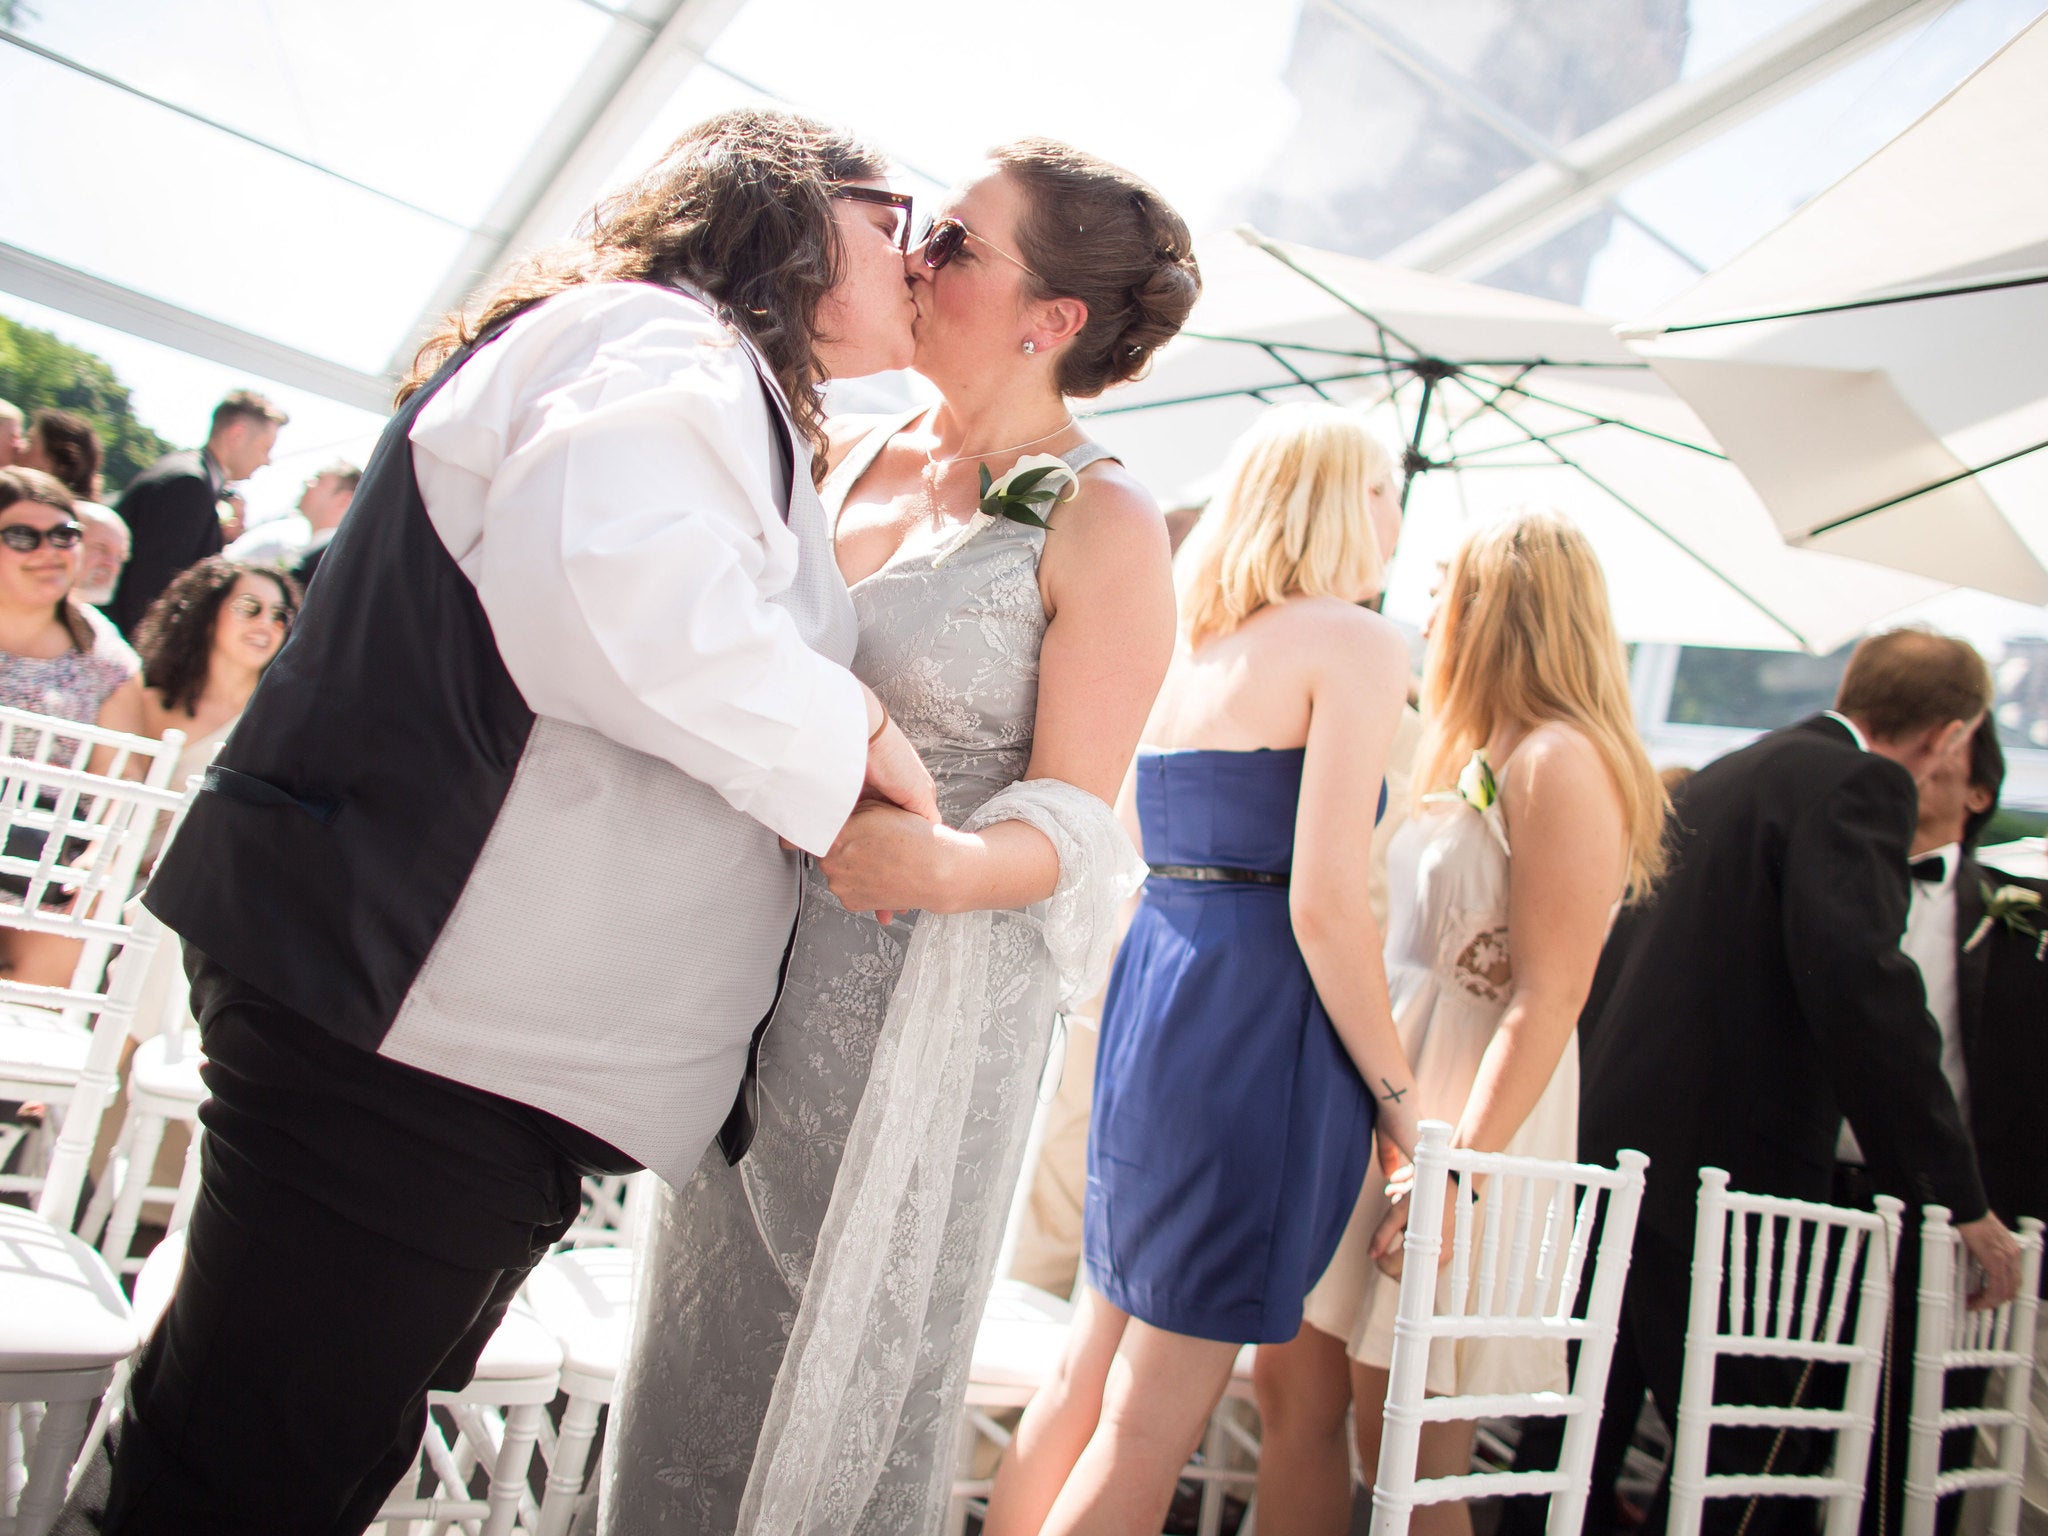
38 370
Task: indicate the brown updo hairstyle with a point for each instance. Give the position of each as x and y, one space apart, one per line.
740 208
73 449
1094 232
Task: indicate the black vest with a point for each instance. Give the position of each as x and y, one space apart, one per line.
347 809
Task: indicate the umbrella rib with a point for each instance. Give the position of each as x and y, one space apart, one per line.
1960 290
1925 490
1255 391
1594 418
1299 376
1597 483
1280 255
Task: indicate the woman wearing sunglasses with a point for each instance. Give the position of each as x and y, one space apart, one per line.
808 1315
204 645
57 657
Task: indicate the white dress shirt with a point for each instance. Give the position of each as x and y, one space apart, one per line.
1930 943
601 473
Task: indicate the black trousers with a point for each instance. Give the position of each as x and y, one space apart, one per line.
361 1228
1649 1355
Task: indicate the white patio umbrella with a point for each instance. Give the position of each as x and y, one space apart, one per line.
1878 364
1497 398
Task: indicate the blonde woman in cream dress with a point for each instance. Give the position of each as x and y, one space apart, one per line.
1537 812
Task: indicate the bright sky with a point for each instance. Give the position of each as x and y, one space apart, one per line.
231 230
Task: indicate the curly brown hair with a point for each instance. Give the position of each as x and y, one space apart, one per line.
175 638
740 208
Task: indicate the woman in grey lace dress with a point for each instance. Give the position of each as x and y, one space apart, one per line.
1007 652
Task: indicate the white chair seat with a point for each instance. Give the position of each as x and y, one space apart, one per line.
60 1308
159 1278
176 1082
1023 1330
37 1047
521 1350
585 1299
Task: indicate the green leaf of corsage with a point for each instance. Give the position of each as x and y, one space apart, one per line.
1035 484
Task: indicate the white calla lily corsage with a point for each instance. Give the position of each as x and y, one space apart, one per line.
1034 485
1475 784
2020 909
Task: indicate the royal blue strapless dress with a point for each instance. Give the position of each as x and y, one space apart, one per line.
1230 1131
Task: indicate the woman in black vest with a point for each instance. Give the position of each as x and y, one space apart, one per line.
520 598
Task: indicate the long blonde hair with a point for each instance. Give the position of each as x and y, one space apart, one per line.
1294 519
1525 632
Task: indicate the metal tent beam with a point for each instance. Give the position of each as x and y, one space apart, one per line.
105 303
1554 194
651 47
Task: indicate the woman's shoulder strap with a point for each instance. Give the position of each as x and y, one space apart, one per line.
1080 457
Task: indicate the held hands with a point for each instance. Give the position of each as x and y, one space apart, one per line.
1997 1255
1388 1242
887 860
897 774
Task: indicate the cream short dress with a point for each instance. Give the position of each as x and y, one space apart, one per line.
1448 977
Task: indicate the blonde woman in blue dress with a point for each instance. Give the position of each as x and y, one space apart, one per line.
1247 1053
1537 810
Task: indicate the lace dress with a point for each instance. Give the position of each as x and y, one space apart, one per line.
1448 977
949 638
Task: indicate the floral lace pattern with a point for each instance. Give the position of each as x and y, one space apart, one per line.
1482 967
950 641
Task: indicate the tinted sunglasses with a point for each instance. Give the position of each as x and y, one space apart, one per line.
21 536
899 202
248 607
944 237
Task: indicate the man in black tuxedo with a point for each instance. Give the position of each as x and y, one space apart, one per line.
1753 1001
172 507
1987 989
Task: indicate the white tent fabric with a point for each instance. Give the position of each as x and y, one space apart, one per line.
1527 401
1876 365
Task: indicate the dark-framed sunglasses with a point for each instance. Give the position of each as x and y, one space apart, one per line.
26 539
249 606
943 238
900 202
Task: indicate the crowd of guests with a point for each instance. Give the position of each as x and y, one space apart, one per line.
132 616
1579 956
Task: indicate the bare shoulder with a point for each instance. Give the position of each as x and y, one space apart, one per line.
1344 639
1556 764
1108 523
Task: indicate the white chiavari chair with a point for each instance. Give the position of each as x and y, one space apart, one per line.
1950 1337
584 1297
1790 1280
64 1325
1519 1254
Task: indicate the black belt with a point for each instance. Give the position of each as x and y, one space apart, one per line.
1219 874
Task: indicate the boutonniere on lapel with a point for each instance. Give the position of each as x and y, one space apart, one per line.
2019 909
1475 785
1035 484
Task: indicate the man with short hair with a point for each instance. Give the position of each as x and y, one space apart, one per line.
1758 997
172 508
294 539
12 442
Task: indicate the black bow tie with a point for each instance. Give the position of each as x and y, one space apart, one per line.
1933 869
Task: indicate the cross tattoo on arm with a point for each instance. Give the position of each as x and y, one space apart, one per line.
1393 1095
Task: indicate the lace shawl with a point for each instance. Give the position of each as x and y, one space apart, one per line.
861 1326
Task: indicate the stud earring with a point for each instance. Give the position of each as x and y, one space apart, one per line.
1030 346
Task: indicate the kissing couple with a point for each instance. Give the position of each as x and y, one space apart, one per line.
661 775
